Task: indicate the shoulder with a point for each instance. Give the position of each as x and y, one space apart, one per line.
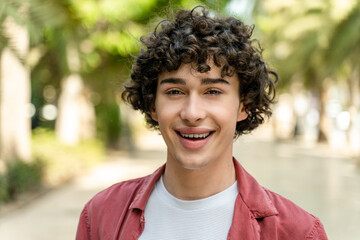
113 203
117 194
107 209
295 221
124 195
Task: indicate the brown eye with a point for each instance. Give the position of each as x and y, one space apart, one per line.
213 92
173 92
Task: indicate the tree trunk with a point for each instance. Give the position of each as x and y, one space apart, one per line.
354 128
15 124
76 118
323 126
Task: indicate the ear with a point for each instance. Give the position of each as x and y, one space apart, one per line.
242 114
153 114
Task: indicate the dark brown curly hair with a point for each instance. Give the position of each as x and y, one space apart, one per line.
195 37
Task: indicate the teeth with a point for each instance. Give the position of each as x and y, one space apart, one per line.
195 135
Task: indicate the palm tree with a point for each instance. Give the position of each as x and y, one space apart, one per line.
20 21
311 44
14 124
298 35
344 51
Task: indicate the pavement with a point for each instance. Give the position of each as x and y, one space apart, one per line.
323 182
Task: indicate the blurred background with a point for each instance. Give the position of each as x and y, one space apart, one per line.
63 64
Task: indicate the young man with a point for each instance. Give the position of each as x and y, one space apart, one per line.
202 83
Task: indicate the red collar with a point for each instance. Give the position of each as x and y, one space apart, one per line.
251 192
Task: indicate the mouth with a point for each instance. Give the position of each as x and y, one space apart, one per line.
195 136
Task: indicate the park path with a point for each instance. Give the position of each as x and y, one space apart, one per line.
323 182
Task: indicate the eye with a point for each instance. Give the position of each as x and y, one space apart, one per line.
173 92
214 92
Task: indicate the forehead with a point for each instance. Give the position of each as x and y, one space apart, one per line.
189 72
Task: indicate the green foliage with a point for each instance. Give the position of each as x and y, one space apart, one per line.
310 40
54 163
345 41
20 177
63 162
34 15
108 123
295 36
4 194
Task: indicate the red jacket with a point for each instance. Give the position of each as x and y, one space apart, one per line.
117 213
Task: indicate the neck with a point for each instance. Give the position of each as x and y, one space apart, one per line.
192 184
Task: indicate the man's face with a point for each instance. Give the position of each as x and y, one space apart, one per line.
197 115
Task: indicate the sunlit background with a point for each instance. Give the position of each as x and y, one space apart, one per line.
62 67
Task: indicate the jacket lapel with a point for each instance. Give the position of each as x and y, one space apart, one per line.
252 204
244 225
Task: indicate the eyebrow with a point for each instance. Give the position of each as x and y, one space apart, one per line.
207 81
173 81
204 81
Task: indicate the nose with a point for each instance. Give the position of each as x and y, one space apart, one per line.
193 110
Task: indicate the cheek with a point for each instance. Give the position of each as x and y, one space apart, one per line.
226 117
227 111
165 113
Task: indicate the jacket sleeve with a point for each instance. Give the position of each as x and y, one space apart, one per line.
83 229
317 232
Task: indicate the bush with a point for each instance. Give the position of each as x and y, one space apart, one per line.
53 164
23 177
63 162
20 177
4 194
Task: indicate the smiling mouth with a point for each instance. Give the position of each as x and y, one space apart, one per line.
195 136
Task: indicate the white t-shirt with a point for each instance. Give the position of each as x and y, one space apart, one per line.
169 218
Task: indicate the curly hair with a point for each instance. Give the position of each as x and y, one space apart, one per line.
195 37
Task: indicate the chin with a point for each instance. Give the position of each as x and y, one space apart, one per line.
193 164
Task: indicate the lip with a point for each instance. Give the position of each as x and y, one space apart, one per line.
190 143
